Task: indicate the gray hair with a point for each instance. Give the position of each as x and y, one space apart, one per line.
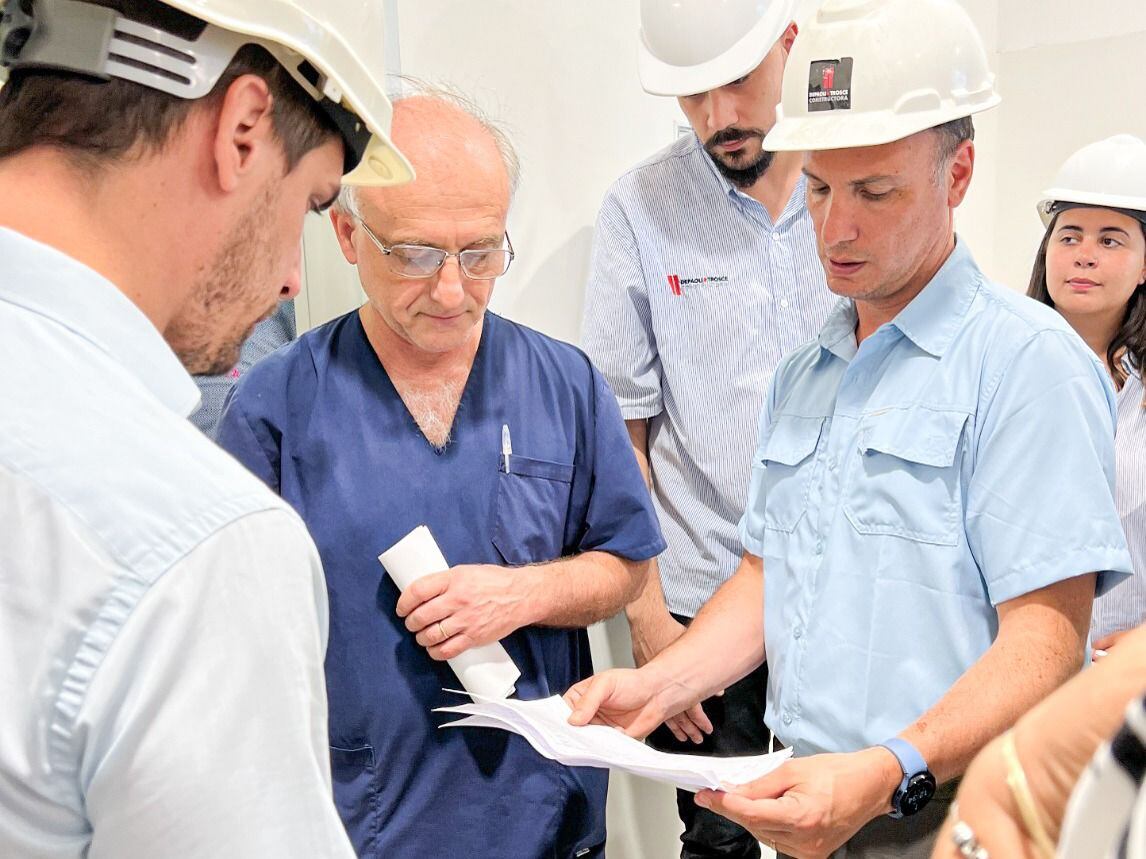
950 137
402 88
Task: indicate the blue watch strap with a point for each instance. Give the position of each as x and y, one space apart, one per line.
910 761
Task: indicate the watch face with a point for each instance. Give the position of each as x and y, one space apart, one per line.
920 788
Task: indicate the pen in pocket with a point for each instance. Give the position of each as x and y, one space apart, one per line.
506 447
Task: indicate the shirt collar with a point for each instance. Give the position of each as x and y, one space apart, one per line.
934 317
838 335
930 321
45 281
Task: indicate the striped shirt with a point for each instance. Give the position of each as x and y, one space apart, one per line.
267 336
694 296
1124 607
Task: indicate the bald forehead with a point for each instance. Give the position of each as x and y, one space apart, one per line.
448 148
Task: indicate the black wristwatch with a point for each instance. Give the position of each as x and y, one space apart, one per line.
918 785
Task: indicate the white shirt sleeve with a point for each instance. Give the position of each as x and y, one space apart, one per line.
205 727
617 329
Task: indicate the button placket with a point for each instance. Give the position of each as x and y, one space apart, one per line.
790 701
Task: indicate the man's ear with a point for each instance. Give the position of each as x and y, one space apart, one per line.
244 132
344 231
789 37
959 173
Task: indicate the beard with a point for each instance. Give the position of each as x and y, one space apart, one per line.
740 167
232 297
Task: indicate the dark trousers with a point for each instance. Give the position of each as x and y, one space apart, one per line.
737 719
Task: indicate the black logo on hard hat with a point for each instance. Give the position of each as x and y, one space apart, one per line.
830 85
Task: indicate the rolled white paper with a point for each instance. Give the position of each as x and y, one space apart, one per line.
487 670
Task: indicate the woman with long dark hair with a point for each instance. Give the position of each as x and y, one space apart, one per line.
1091 267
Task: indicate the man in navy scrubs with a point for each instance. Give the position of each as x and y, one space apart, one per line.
423 407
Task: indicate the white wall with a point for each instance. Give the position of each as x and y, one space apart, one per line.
562 76
1066 82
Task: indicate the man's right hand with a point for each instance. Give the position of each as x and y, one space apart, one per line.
634 701
651 633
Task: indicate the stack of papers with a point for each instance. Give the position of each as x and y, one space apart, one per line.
545 724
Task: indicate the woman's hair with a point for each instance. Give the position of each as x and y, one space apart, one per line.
1131 334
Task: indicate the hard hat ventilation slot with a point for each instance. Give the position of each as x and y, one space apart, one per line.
148 68
312 75
175 54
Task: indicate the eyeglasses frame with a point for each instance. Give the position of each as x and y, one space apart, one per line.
388 250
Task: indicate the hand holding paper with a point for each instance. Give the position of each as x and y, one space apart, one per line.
486 669
545 725
634 700
465 606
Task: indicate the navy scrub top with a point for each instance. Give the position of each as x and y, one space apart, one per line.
321 423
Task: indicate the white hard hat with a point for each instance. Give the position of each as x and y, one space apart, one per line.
867 72
692 46
332 49
1110 174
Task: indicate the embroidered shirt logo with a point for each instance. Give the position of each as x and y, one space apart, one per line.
677 283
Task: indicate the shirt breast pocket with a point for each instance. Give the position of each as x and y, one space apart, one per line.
532 506
905 475
786 460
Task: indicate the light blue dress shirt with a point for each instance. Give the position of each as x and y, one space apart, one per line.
961 457
694 297
163 616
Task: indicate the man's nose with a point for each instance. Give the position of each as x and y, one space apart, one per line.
292 286
722 112
449 289
839 225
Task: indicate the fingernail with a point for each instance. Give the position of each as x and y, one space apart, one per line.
702 800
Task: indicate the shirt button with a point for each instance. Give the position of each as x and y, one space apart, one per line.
776 236
787 718
832 463
784 302
819 547
798 632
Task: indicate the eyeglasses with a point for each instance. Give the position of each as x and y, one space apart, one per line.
421 261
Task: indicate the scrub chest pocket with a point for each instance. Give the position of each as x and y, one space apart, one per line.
904 476
532 506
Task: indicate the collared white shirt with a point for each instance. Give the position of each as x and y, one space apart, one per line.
1124 607
694 296
162 614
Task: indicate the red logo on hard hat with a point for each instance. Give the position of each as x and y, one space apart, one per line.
829 76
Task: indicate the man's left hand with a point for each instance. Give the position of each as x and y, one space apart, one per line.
464 607
809 807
